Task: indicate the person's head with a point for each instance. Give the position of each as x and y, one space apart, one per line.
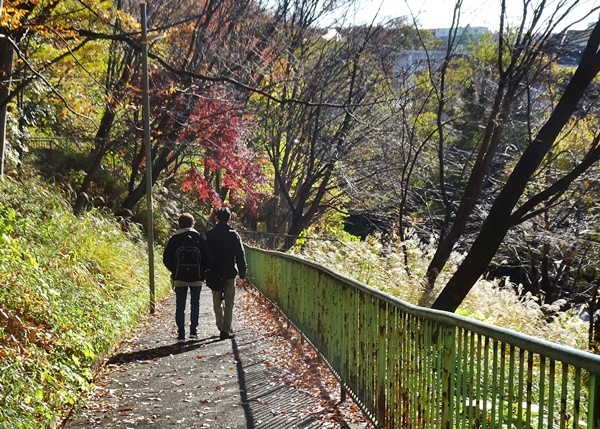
186 220
223 214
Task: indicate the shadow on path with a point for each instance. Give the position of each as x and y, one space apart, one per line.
160 352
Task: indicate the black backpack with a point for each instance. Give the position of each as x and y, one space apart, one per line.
188 261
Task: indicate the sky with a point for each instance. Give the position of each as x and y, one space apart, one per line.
476 13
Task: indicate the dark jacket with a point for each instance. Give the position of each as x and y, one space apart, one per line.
227 252
178 240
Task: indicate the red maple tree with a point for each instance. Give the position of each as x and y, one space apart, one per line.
222 167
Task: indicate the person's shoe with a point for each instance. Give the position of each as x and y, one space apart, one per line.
193 336
180 340
225 336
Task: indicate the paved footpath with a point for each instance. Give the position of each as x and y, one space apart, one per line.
255 380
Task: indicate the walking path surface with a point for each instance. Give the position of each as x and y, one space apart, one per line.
262 378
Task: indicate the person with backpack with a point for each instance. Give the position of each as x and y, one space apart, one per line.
229 260
187 257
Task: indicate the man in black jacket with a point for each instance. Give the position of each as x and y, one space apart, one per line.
187 257
229 260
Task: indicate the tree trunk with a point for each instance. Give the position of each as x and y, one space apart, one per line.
535 275
546 285
101 149
133 197
594 328
6 66
162 161
473 189
82 194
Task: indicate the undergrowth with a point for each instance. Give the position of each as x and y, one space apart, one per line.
71 288
384 268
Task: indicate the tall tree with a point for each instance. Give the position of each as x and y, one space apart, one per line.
336 81
43 41
385 176
221 168
507 209
23 17
521 57
122 62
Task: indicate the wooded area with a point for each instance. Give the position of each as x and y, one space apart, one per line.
487 146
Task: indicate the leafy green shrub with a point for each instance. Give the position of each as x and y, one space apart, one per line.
70 289
61 161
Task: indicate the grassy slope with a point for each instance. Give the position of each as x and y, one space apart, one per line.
70 289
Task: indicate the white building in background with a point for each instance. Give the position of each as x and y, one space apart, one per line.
569 46
414 60
464 36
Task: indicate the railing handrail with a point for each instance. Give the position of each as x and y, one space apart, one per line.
567 354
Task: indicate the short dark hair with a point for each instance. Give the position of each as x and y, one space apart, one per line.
223 214
186 220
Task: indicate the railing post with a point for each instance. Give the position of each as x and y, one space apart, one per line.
448 333
594 415
382 351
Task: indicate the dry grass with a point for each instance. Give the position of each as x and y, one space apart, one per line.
385 269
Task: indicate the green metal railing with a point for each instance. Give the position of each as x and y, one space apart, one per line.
411 367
